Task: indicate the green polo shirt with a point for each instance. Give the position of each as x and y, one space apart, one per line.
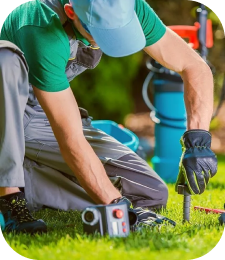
37 31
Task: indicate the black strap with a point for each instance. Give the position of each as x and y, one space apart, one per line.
83 113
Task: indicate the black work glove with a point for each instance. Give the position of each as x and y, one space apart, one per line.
198 163
140 217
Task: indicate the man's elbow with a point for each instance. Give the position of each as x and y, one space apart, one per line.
197 69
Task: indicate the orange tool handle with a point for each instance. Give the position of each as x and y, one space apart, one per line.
191 33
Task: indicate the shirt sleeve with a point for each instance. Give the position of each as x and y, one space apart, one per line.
152 26
47 54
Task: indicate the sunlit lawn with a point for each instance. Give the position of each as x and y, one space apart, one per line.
65 239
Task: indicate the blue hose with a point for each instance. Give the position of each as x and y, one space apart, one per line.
156 116
2 222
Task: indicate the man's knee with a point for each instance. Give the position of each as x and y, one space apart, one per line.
10 55
164 193
8 59
13 71
156 193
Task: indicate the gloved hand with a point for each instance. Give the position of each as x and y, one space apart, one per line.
145 217
198 163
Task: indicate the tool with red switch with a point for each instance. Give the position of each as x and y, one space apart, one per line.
113 219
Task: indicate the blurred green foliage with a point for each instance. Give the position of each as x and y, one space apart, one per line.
113 89
215 124
106 91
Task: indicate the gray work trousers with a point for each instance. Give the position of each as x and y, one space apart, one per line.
30 155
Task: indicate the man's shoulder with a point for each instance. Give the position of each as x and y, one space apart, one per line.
152 26
139 5
32 13
34 27
31 20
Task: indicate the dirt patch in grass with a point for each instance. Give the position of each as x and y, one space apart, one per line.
218 135
142 125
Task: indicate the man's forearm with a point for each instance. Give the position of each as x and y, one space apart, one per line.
174 53
198 95
89 171
67 127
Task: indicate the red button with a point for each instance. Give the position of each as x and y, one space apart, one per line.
117 213
124 230
123 223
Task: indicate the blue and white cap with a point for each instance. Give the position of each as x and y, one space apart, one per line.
113 24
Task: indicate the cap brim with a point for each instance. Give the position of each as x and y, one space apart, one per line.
121 41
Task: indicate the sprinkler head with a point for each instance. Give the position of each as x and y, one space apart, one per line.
183 190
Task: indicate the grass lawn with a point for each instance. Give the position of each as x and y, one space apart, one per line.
65 239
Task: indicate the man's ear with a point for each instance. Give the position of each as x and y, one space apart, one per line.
69 11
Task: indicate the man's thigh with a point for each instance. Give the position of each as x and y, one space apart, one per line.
137 181
42 146
127 171
46 186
